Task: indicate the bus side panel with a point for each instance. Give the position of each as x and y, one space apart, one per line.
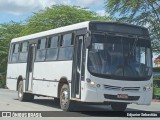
46 76
45 88
13 72
11 84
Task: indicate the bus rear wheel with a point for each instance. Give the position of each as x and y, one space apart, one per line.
118 106
24 96
65 103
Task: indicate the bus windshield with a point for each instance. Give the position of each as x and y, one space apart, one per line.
120 57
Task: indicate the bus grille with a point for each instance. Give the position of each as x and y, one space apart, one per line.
114 97
117 88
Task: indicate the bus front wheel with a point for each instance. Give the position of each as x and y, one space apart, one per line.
118 106
65 102
24 96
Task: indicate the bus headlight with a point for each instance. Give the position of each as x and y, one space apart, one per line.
147 87
91 83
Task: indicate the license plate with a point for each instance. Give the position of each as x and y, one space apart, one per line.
124 96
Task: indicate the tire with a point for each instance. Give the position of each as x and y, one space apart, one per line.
24 96
118 106
65 103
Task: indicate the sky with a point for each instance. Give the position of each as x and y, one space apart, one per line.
20 10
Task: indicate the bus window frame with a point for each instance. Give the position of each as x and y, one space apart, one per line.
39 49
55 48
66 46
13 52
20 51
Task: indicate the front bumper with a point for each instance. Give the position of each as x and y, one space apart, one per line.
100 95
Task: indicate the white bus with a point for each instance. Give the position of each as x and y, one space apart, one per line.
91 62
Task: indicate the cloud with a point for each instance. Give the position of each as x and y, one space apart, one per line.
19 7
88 3
65 2
101 12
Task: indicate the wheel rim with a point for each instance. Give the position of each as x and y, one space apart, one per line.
64 97
20 91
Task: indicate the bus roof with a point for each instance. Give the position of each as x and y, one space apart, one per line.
67 28
52 31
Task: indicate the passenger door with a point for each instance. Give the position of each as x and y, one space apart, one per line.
30 66
77 74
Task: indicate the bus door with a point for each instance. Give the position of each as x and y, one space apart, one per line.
30 65
77 74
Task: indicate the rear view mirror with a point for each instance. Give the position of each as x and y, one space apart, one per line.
88 39
88 42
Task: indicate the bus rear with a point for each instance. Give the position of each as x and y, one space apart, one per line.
118 66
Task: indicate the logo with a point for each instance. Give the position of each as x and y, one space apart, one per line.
6 114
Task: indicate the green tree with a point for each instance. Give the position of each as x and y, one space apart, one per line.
58 16
8 31
140 12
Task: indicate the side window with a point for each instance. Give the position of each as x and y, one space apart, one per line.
52 42
52 49
41 51
23 52
67 40
16 48
41 44
15 53
66 48
24 47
